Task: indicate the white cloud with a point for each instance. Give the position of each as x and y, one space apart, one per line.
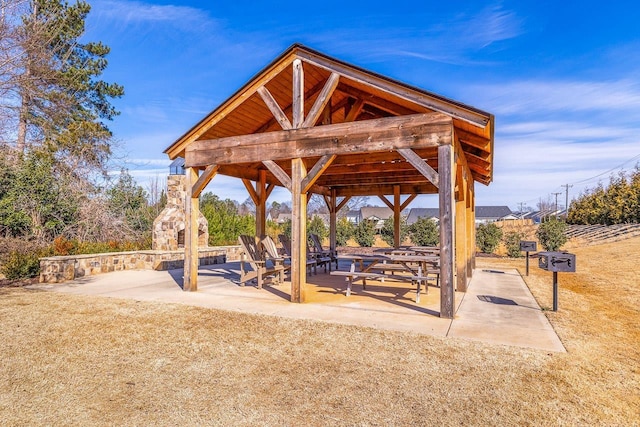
490 25
534 96
136 12
453 40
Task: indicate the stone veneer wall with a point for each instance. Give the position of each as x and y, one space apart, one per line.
62 268
171 221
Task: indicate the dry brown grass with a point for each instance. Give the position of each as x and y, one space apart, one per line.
73 360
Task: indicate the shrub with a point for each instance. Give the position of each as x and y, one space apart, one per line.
316 226
387 231
344 231
512 243
551 234
21 264
286 228
365 234
425 232
488 237
62 246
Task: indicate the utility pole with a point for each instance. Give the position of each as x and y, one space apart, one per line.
521 204
567 187
556 194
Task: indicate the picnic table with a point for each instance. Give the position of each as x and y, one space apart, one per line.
417 267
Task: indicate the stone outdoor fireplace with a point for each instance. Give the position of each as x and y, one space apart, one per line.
168 227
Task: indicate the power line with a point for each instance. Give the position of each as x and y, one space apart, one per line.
567 186
637 157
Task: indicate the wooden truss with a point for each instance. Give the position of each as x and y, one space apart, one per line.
315 125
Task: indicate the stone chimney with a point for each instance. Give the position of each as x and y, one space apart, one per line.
169 226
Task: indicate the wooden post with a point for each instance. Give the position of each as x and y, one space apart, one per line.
473 224
471 227
261 205
396 216
298 94
461 231
447 229
192 211
298 231
333 221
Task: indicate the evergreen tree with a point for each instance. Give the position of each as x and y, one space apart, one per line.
128 201
344 231
62 101
387 232
551 234
365 233
488 237
316 226
425 232
225 223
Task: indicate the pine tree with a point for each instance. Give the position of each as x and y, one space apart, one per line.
62 101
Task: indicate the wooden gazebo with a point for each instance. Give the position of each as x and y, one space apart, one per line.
317 125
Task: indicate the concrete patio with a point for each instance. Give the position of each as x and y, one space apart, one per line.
498 307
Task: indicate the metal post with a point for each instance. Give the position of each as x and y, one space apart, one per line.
527 263
555 291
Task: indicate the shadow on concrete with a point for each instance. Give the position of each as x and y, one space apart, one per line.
277 292
501 272
178 277
397 295
496 300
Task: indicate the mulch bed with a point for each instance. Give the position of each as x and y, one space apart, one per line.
17 283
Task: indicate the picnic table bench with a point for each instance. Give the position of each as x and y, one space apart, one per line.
417 267
353 275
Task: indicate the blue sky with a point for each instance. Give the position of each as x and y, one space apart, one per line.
561 78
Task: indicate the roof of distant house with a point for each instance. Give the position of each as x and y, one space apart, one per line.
380 212
492 211
416 213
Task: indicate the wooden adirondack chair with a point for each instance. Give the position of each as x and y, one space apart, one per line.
320 251
311 261
260 267
272 253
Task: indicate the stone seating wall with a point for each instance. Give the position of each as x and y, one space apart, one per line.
59 269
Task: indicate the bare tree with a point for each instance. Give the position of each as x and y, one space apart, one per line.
317 205
157 191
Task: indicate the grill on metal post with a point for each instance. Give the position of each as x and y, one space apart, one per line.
557 262
528 246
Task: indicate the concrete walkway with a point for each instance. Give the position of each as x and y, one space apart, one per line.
497 309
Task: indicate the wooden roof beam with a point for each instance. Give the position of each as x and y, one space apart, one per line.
289 108
432 102
376 101
204 179
275 109
354 111
322 101
356 159
280 174
479 161
377 189
398 166
373 179
315 172
420 165
474 140
386 134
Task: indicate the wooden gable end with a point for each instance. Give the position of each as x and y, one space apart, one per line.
265 105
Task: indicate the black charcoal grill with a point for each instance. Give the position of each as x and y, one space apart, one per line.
557 262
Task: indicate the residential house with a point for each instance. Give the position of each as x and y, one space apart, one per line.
378 214
417 213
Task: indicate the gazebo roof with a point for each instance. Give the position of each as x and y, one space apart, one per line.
255 124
